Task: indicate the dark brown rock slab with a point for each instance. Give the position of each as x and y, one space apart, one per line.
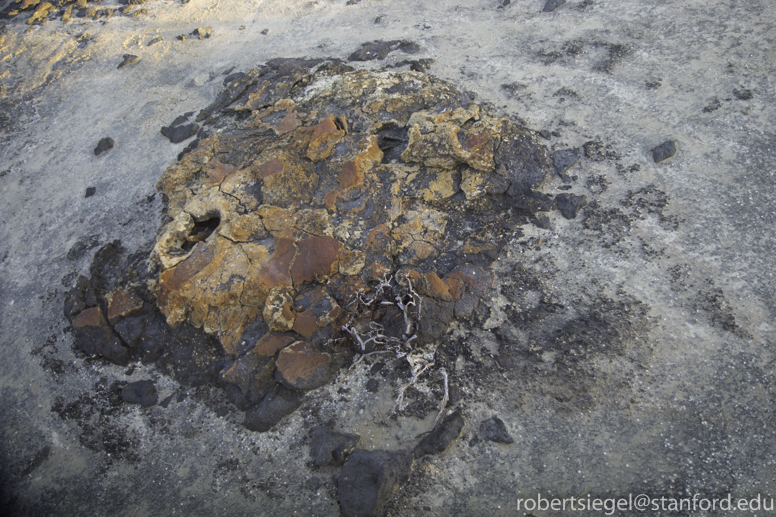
299 367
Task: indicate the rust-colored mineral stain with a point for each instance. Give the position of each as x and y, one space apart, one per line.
326 125
437 287
173 278
269 344
350 176
305 323
289 123
277 271
299 367
217 171
89 318
273 166
123 302
318 258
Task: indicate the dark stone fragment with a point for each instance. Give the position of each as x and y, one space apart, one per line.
74 300
329 447
545 134
416 65
272 409
742 94
180 119
465 307
437 315
90 191
664 151
542 221
496 185
105 144
525 163
494 430
140 392
564 160
372 385
233 77
180 133
380 49
127 60
569 204
203 32
166 402
653 85
714 105
441 436
551 5
94 337
368 479
504 3
154 41
265 32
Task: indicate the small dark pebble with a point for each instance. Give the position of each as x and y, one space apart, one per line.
154 41
664 151
105 144
556 134
564 159
714 105
127 60
441 436
543 222
265 32
551 5
569 204
742 94
90 191
545 134
504 3
494 430
140 392
181 37
329 447
653 85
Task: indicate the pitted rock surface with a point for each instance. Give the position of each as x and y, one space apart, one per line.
309 183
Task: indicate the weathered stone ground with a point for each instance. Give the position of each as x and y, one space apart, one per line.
627 349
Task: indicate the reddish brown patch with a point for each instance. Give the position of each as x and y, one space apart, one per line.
326 125
436 287
330 201
475 278
273 166
454 287
277 271
474 140
173 278
318 257
305 324
217 171
301 368
289 123
350 176
269 344
122 302
89 318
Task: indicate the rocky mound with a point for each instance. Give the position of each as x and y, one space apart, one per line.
321 211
